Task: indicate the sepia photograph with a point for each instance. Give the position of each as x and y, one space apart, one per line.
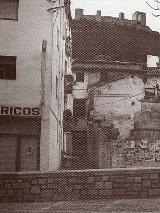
79 106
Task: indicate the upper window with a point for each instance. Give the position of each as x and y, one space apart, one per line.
79 77
79 108
8 67
9 9
104 77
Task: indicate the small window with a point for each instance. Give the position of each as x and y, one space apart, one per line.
9 9
80 77
8 67
104 77
79 108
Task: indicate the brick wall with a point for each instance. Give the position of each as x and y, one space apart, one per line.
73 185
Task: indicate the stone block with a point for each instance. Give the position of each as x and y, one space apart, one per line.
153 176
137 179
119 192
137 187
43 181
145 177
154 192
8 186
69 189
146 183
9 193
99 185
18 193
51 180
132 194
121 185
62 189
93 192
90 180
3 193
26 190
44 186
28 198
34 182
16 185
105 178
35 190
46 193
155 182
129 179
105 193
144 194
52 185
25 185
108 185
98 178
119 180
78 186
72 180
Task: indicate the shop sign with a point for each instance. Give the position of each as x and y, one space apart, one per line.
19 111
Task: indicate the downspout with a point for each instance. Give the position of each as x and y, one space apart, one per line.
43 151
43 70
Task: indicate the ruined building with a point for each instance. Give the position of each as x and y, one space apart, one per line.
109 65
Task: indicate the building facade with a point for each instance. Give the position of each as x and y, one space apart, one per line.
34 60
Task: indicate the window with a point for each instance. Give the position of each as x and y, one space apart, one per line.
104 76
9 9
79 108
8 67
79 77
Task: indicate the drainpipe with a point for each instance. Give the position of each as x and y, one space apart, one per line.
44 145
43 70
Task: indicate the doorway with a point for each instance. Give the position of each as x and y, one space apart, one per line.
29 154
79 148
8 153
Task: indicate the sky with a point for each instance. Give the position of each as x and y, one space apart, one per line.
114 7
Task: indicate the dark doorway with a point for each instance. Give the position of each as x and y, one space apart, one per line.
79 148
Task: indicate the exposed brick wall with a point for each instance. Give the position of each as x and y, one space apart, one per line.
72 185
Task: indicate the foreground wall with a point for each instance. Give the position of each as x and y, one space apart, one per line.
72 185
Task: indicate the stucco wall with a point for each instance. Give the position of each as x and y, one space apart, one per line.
23 38
114 103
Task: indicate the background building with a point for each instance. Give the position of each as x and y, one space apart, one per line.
33 65
110 59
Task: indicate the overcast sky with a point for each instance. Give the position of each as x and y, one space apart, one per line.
113 7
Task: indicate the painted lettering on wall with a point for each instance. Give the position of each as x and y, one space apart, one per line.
19 111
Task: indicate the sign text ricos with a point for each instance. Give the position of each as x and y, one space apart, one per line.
19 111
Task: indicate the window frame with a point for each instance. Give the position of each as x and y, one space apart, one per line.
79 112
17 12
6 63
80 78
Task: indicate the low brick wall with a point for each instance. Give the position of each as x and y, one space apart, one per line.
73 185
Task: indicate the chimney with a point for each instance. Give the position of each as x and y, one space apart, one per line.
98 16
121 16
140 17
78 13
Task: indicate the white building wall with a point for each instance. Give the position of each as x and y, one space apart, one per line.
113 102
23 38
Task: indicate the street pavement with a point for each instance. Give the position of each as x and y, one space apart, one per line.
98 206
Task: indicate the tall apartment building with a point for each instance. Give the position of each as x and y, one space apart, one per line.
35 60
